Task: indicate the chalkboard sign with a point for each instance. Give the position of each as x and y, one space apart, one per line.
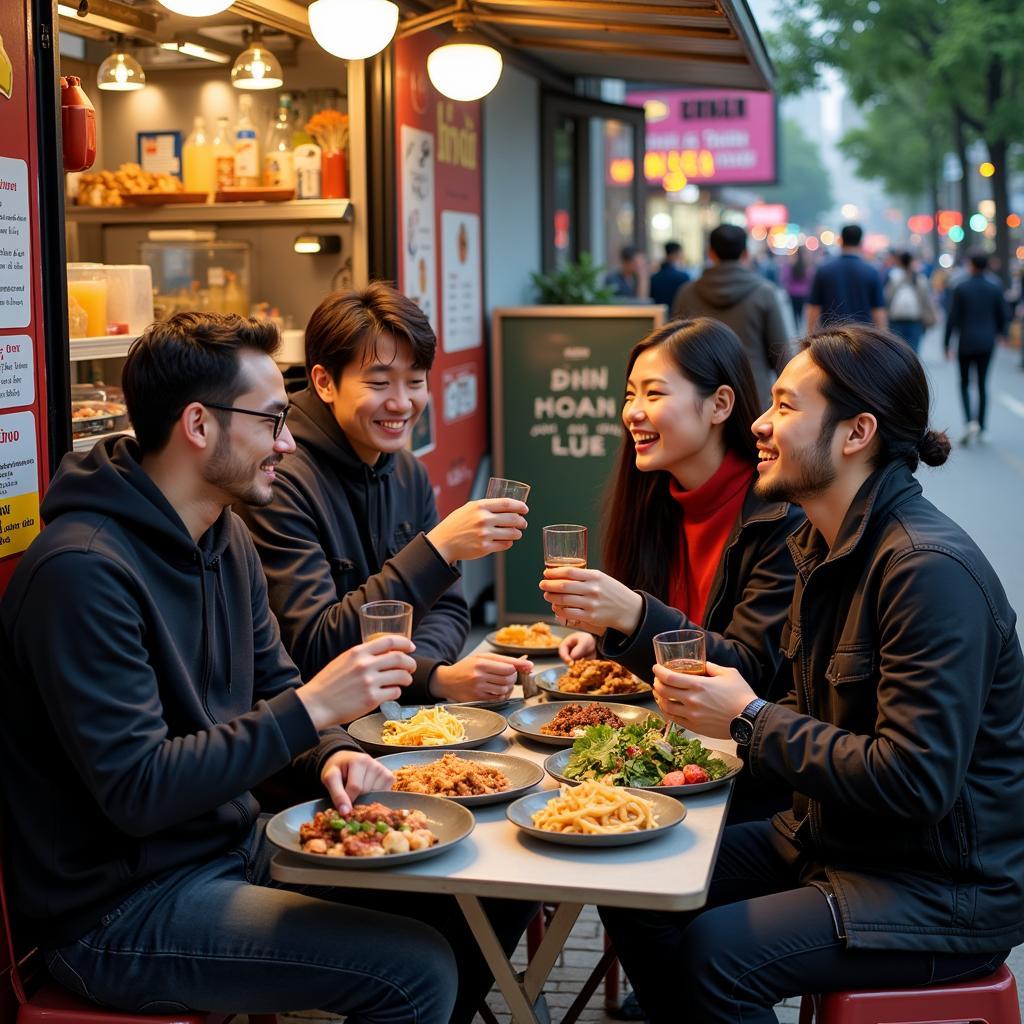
558 378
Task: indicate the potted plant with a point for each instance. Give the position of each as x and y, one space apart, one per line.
575 284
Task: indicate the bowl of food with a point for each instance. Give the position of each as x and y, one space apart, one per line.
451 727
558 724
591 679
97 409
469 777
382 830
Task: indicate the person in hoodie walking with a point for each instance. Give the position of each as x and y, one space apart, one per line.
730 291
353 517
146 692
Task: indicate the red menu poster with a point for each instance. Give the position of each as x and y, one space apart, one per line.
22 357
440 263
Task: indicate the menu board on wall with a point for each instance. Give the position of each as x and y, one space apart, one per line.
440 195
22 416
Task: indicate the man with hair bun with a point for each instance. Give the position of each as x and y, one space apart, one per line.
902 737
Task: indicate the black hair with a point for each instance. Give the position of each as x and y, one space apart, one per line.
191 357
728 242
851 235
672 249
641 528
348 324
979 260
870 370
628 252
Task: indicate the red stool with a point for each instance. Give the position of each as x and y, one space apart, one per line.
991 1000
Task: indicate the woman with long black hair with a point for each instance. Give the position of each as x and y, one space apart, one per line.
687 543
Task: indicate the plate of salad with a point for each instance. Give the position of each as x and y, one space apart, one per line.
640 756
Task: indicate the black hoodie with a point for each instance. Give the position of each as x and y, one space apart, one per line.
145 692
340 533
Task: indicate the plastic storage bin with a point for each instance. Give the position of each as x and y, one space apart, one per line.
206 276
130 296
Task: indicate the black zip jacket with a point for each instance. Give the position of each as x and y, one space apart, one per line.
903 735
977 316
340 533
145 691
746 612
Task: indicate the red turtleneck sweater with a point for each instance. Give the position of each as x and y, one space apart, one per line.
709 513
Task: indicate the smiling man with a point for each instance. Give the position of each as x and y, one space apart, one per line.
353 517
902 737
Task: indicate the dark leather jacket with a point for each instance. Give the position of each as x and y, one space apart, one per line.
904 734
746 611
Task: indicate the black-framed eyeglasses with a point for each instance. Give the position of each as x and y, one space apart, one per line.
278 417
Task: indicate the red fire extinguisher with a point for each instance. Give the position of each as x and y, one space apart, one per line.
78 124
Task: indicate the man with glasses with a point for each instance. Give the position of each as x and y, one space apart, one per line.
146 692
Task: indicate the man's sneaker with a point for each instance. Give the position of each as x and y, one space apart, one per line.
973 429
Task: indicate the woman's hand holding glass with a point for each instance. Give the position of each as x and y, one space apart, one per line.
591 599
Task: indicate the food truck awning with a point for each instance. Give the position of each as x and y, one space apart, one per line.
683 42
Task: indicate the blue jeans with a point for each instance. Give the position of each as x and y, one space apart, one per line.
763 936
911 331
225 937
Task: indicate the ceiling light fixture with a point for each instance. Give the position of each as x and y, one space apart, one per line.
196 50
353 29
466 67
196 8
256 67
120 72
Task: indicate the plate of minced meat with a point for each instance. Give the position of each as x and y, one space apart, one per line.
384 829
558 724
469 777
592 679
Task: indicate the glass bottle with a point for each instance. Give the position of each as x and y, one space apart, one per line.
247 147
223 155
197 159
279 159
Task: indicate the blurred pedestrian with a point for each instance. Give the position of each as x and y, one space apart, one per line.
796 279
846 289
630 280
909 302
670 276
977 315
730 291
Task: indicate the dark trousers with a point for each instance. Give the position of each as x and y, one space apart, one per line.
766 933
980 362
224 936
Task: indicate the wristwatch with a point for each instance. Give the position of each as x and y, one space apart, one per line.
742 726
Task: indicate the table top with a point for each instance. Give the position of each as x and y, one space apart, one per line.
671 872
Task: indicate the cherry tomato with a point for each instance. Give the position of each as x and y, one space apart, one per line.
674 779
693 773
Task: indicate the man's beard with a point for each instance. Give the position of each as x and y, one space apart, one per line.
236 477
816 473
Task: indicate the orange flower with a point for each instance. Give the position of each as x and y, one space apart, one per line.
330 129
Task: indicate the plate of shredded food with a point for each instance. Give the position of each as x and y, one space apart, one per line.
638 755
451 727
592 679
595 814
471 777
537 638
559 724
382 830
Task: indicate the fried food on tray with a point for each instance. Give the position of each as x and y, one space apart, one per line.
370 830
537 635
573 719
451 775
600 678
107 188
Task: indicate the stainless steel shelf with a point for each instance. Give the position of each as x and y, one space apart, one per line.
214 213
113 346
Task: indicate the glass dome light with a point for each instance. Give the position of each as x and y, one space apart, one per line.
466 67
353 29
256 67
197 8
120 72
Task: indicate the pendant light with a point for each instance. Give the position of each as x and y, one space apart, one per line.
120 72
353 29
256 67
197 8
466 67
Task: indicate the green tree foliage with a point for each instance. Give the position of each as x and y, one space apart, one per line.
805 185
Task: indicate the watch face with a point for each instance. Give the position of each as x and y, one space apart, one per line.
742 731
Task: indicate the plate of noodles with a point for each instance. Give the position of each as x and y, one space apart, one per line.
592 679
558 724
594 814
536 638
383 830
469 777
440 726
